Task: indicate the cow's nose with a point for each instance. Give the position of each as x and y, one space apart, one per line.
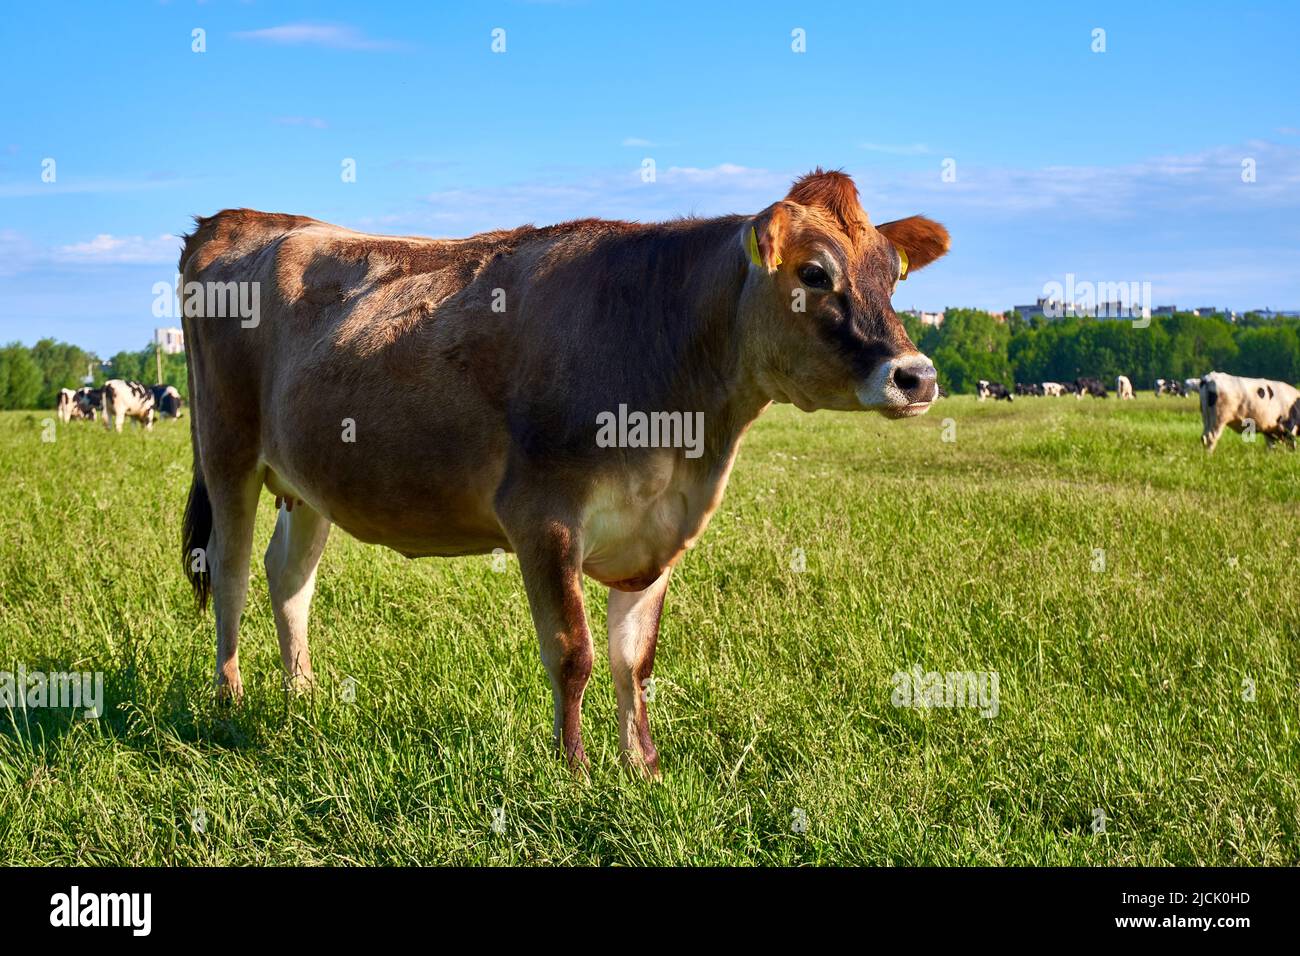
917 381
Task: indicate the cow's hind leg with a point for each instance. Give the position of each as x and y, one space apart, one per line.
633 633
233 495
291 560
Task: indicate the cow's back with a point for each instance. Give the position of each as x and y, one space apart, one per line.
371 358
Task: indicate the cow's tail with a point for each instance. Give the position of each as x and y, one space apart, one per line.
195 533
197 527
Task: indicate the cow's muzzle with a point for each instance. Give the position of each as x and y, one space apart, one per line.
901 387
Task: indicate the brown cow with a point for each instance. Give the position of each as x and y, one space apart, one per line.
446 397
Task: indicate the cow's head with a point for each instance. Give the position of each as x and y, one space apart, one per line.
821 276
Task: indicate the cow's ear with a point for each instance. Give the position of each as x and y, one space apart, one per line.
764 235
921 240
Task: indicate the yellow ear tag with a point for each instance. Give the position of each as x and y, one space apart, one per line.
902 263
752 245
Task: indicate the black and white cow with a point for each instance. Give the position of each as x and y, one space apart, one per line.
1090 386
66 405
124 400
89 402
167 401
1052 389
1257 405
995 390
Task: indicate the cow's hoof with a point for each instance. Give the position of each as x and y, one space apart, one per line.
575 758
230 693
299 684
642 767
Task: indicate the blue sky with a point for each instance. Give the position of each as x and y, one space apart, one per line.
1117 166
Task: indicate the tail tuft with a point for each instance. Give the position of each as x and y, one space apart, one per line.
194 540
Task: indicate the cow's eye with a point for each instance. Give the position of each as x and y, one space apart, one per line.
814 276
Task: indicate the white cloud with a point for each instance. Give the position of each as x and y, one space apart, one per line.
638 141
106 249
1164 185
334 36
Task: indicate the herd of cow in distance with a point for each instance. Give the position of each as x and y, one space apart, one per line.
1254 406
1258 405
118 400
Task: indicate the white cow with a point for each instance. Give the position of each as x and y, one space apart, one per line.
1250 405
1124 387
124 400
1054 389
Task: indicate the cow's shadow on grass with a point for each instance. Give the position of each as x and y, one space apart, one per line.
119 703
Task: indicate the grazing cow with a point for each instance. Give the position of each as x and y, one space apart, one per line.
90 402
167 401
66 405
124 400
1123 387
1053 389
449 397
1230 401
1191 385
995 390
1090 386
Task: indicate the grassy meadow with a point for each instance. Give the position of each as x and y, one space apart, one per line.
1136 599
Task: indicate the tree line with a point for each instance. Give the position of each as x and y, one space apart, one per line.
973 345
31 377
969 346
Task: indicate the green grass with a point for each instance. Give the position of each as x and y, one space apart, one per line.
1120 689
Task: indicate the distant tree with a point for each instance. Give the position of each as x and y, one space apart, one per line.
21 378
129 366
1198 344
62 366
1269 351
970 345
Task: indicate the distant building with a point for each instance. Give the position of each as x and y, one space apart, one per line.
926 318
1052 309
1168 311
1284 314
171 341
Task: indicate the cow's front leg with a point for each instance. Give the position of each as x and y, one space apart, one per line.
550 558
633 634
